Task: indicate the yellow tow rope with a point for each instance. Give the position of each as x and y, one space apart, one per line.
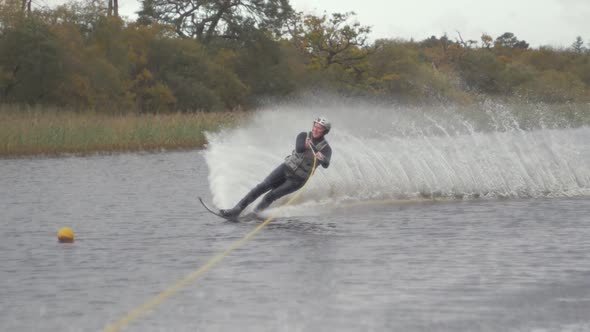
141 310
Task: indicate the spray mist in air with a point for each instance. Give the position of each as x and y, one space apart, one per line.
388 152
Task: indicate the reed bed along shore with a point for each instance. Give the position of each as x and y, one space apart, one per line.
52 132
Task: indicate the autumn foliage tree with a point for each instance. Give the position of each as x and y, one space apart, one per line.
335 46
398 69
197 55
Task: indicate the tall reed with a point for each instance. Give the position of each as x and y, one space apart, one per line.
51 132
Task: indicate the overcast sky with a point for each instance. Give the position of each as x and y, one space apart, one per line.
539 22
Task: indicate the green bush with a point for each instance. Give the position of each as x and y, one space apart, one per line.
31 62
553 86
481 71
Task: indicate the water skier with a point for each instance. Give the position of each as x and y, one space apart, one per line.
292 174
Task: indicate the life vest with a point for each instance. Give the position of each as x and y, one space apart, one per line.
301 163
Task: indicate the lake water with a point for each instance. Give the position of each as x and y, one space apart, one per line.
478 265
423 222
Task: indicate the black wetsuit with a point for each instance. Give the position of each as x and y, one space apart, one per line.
282 180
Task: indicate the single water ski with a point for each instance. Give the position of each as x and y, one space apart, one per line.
215 212
247 217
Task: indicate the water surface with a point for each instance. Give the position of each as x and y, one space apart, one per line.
497 264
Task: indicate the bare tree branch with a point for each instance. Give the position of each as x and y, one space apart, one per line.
205 19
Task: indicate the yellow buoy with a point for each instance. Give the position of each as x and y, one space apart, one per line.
65 235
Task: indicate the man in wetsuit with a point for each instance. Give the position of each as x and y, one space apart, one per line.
291 175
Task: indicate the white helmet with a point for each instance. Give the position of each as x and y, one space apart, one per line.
324 123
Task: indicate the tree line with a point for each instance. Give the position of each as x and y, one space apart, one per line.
199 55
